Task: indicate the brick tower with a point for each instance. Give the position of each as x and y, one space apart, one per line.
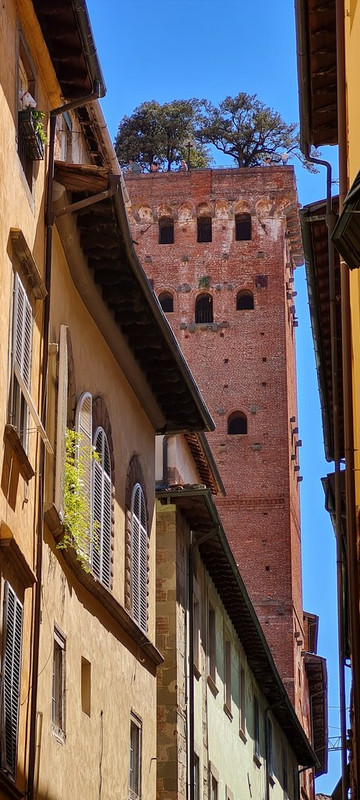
220 247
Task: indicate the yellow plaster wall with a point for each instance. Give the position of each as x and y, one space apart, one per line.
352 53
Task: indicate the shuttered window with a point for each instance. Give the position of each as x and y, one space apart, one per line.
101 536
21 357
13 616
61 421
139 556
97 488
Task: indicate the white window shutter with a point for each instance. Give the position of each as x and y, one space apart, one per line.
139 554
13 615
83 424
22 331
61 421
101 535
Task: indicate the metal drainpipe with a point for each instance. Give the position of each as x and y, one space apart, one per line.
49 220
330 221
351 527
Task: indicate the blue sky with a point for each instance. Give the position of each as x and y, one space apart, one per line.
172 49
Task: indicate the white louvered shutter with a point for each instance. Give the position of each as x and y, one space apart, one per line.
13 615
139 556
61 421
22 331
101 535
84 427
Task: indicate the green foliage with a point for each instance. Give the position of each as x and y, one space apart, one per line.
39 129
77 513
160 132
244 128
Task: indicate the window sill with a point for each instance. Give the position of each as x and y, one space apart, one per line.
228 711
12 437
271 781
16 556
256 761
29 269
197 673
242 736
212 686
58 734
103 595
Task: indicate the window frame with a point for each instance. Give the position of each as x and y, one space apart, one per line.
211 642
22 333
139 556
204 229
246 294
243 220
166 230
166 296
256 722
227 672
242 701
135 775
208 317
11 678
100 552
58 694
236 416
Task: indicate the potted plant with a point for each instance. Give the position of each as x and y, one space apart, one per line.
32 133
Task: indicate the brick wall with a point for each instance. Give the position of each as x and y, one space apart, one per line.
244 360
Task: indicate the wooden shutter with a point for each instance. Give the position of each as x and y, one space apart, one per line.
61 421
83 424
13 615
101 536
22 331
139 556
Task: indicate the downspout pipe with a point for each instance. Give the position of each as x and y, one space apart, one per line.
49 221
351 522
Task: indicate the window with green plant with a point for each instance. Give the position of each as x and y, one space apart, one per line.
88 493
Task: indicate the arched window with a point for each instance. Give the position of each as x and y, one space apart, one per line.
237 423
204 308
97 487
204 229
242 227
166 230
166 301
100 556
139 557
244 300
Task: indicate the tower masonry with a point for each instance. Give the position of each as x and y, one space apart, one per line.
220 247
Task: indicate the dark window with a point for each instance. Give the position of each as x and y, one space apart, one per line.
237 423
244 301
242 227
204 308
166 230
256 727
166 301
204 231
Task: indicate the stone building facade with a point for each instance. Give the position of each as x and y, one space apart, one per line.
224 715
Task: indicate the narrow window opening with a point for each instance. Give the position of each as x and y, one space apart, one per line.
58 684
242 699
204 308
166 230
204 229
135 757
227 670
237 424
256 728
244 301
242 227
166 301
86 686
212 643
